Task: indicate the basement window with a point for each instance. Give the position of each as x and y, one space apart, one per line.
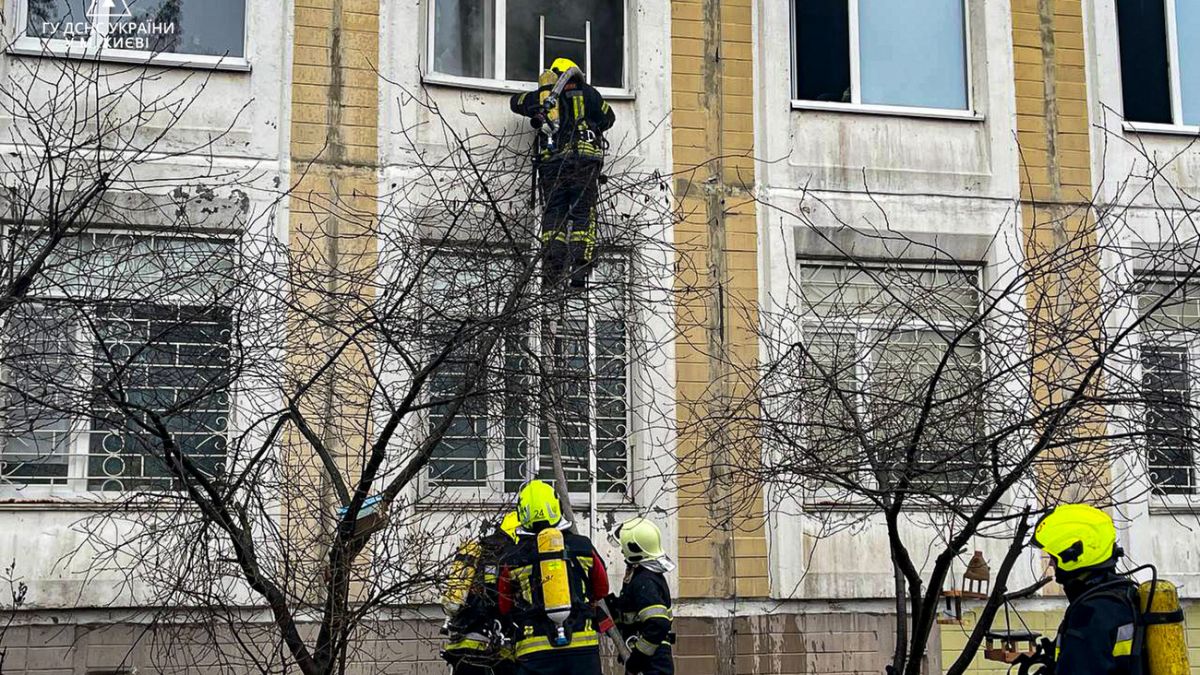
881 53
1160 60
510 42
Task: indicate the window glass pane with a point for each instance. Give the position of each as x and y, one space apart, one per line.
913 53
1187 21
205 27
1142 25
463 40
172 363
58 19
868 366
822 50
38 357
566 29
1169 427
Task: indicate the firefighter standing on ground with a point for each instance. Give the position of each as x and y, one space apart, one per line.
478 636
644 607
568 168
1104 630
549 587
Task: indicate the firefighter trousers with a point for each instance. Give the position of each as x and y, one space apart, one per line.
570 189
578 661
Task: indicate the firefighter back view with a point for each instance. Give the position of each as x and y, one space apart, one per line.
1111 626
644 607
478 638
549 587
571 118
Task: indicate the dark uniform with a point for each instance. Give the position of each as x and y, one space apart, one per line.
1099 634
475 647
644 614
568 169
521 603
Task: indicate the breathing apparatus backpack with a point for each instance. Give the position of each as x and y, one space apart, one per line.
1165 636
462 577
1159 645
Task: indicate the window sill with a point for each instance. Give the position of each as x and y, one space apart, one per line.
52 499
508 86
888 110
1170 505
27 46
1164 129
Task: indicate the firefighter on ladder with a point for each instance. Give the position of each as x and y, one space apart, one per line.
549 588
478 638
571 117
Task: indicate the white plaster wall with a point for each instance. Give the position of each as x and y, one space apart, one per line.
913 175
40 530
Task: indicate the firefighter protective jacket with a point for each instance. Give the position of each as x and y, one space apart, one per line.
583 116
644 610
521 596
1099 634
472 628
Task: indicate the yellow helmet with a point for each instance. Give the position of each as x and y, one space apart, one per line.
538 503
510 524
640 540
562 65
1077 536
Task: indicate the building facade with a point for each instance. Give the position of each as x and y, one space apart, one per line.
790 133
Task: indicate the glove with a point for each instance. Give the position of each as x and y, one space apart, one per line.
537 121
637 662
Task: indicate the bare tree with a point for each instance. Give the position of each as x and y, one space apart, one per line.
952 401
282 424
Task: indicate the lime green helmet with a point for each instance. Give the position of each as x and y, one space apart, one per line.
1077 536
538 503
640 540
510 524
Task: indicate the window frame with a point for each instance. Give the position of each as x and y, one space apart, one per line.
492 492
1191 343
503 85
1174 84
830 497
855 105
75 489
27 45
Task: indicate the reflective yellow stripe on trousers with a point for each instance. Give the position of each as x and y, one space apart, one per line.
532 645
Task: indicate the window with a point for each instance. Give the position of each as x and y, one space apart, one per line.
881 52
214 28
1160 60
119 321
515 40
874 338
1170 354
488 445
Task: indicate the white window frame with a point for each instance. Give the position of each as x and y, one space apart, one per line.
856 105
502 84
493 492
1174 83
93 48
75 490
833 497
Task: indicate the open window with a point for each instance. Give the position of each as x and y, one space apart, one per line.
512 41
1160 61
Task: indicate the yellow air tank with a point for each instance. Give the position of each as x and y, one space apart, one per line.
461 577
556 584
546 80
1166 643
